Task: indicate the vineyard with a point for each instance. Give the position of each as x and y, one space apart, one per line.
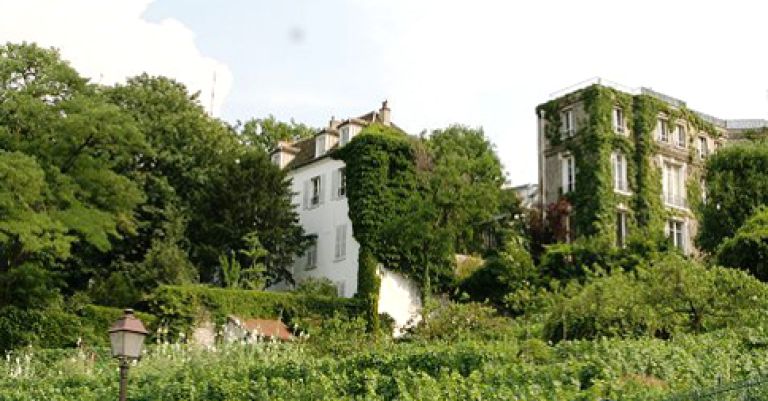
493 369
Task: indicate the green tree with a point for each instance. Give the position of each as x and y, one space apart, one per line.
736 186
748 248
249 207
265 133
465 179
77 146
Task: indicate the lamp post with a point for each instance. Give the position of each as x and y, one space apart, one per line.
127 338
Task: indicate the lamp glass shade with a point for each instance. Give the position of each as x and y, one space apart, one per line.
126 344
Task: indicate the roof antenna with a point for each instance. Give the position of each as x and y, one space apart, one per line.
213 92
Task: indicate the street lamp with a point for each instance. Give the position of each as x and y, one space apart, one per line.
127 338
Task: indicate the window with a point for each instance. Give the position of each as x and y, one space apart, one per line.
620 172
663 130
567 117
340 183
703 149
345 135
680 136
673 185
276 159
621 228
317 188
320 142
618 120
340 251
311 256
676 231
569 173
703 185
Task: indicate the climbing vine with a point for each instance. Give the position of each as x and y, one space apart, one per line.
594 201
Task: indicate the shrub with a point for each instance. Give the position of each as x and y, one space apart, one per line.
313 286
748 248
453 321
510 270
669 296
180 307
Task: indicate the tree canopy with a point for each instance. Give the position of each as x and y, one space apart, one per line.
113 190
736 186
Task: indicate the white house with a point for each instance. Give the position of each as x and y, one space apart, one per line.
319 188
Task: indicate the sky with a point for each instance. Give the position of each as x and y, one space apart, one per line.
480 63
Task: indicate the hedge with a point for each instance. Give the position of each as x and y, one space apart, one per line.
56 327
179 308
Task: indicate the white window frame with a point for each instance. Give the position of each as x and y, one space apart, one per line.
344 135
316 186
340 244
568 170
340 190
673 185
680 133
621 228
567 123
311 256
321 145
672 231
619 168
703 148
619 123
662 128
341 288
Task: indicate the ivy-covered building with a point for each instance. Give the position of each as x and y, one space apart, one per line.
319 185
616 162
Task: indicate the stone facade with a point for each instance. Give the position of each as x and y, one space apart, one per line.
681 141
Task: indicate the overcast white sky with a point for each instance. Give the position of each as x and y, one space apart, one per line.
482 63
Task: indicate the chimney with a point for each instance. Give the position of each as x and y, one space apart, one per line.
333 124
384 113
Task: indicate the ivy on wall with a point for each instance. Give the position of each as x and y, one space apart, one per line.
594 201
380 172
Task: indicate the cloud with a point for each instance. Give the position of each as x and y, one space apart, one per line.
109 41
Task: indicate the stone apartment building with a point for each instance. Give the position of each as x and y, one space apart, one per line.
620 161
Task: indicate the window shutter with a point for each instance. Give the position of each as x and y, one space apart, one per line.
307 190
336 182
564 173
323 184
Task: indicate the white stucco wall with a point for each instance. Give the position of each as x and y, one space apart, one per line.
322 221
399 297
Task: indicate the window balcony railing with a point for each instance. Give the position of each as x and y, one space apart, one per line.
675 200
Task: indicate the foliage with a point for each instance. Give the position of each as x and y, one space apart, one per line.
447 321
313 286
265 133
736 187
464 183
662 298
632 370
508 271
63 191
748 248
180 307
56 327
248 209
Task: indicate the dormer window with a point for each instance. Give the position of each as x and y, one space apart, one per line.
320 145
345 135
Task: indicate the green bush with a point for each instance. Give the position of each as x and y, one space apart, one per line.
451 321
55 327
509 271
180 307
748 248
313 286
663 298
